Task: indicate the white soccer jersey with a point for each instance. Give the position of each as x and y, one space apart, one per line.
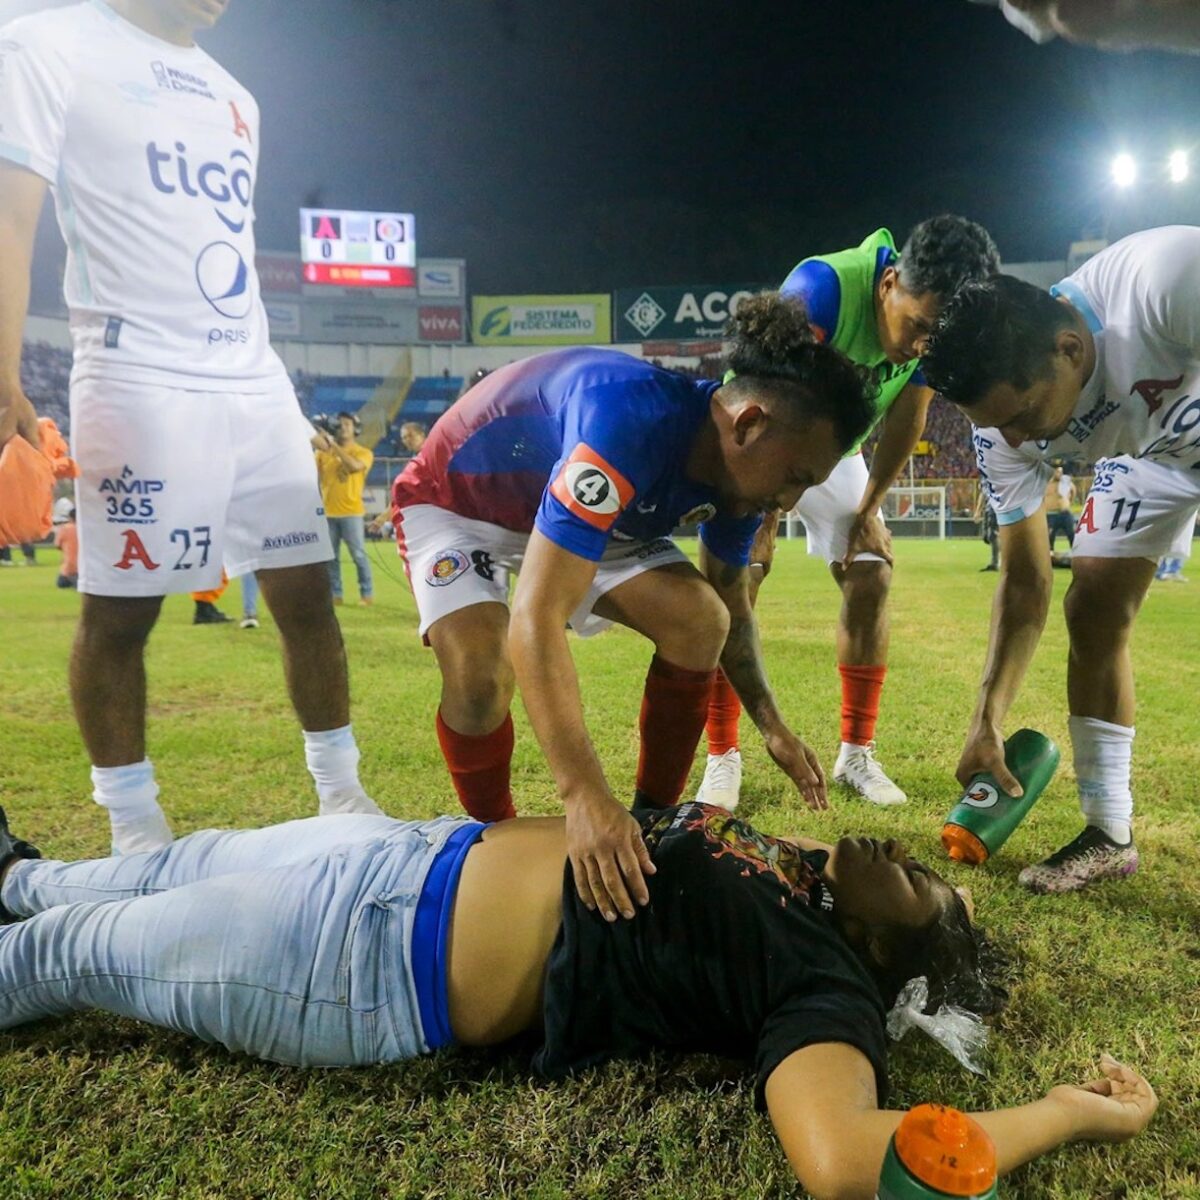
1141 300
151 151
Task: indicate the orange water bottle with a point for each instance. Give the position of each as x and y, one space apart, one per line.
937 1153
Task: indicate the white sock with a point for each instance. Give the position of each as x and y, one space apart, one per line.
130 794
332 757
850 748
1103 754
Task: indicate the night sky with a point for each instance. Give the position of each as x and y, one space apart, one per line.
584 146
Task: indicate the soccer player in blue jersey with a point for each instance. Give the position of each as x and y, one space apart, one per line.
574 467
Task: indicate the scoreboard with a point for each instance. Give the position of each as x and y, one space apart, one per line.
358 249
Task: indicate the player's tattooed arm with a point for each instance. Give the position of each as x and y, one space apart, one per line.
742 661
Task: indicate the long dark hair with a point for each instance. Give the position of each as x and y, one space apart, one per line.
963 965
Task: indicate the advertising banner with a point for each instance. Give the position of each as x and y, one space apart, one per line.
677 313
541 320
441 278
278 274
346 321
440 323
283 318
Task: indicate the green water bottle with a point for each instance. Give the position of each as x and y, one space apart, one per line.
935 1153
981 821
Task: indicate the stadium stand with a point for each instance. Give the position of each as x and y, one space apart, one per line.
45 375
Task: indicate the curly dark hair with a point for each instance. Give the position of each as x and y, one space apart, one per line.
963 965
774 344
945 252
1002 330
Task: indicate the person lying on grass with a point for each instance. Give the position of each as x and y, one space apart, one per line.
356 939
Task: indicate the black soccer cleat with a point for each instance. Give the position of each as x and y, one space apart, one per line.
11 849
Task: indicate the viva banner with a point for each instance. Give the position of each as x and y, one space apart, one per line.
541 320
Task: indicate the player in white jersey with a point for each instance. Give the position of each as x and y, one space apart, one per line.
193 450
1105 367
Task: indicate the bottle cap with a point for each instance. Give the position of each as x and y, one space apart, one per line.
946 1150
962 845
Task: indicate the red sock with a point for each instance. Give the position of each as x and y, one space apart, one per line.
861 687
674 706
479 768
724 709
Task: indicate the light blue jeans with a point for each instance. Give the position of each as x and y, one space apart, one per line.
291 943
350 531
249 594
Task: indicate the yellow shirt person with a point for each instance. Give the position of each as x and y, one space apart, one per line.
342 488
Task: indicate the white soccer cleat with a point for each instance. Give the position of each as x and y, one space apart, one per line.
858 769
722 780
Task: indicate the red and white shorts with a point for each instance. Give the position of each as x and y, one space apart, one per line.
454 562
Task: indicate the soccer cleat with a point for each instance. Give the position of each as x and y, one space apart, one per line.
858 769
722 780
367 601
1091 858
989 567
249 623
11 849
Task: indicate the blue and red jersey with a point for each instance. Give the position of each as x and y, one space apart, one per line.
584 446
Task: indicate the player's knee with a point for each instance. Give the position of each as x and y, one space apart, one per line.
475 688
865 587
699 630
1097 613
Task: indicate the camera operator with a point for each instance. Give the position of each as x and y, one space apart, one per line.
342 465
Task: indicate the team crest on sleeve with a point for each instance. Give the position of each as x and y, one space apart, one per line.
446 568
591 488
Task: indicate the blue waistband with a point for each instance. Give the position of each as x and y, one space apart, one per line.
431 930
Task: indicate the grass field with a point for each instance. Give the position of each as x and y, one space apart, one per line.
98 1107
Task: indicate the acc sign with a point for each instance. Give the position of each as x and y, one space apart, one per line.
675 313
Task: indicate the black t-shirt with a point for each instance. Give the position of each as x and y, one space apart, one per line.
732 956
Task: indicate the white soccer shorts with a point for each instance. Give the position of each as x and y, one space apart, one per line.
176 484
1138 508
454 562
828 511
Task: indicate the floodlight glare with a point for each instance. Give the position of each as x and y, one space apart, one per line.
1124 170
1177 166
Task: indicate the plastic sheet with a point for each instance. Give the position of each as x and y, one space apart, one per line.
955 1029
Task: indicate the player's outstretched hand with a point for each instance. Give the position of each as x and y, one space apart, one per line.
1113 1108
608 856
868 535
984 751
18 417
801 765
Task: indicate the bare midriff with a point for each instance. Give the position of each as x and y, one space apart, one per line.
506 916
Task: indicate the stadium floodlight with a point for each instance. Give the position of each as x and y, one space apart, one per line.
1124 170
1177 166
